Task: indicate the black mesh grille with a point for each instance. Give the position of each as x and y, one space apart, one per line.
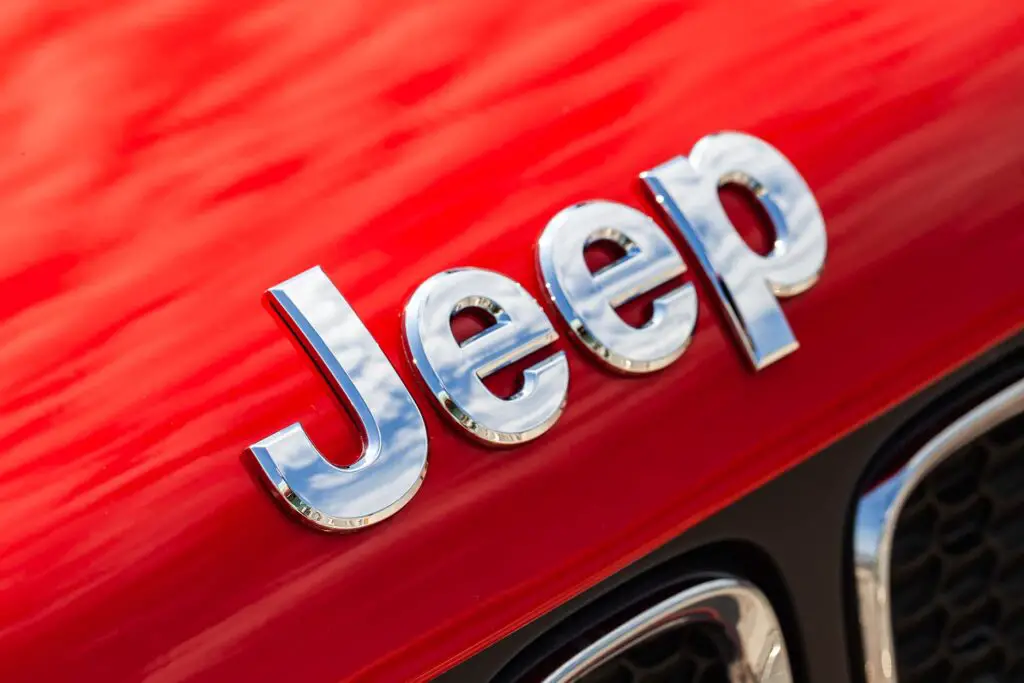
958 567
696 653
699 651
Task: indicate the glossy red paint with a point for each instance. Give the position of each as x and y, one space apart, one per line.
165 162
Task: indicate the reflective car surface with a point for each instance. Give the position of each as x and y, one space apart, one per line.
166 163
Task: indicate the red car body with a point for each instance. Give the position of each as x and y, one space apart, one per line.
166 162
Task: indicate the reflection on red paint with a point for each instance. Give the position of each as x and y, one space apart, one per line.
165 163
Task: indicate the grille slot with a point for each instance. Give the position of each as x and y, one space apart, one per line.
719 631
940 555
958 567
696 653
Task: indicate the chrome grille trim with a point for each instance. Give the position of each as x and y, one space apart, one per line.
878 512
743 612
